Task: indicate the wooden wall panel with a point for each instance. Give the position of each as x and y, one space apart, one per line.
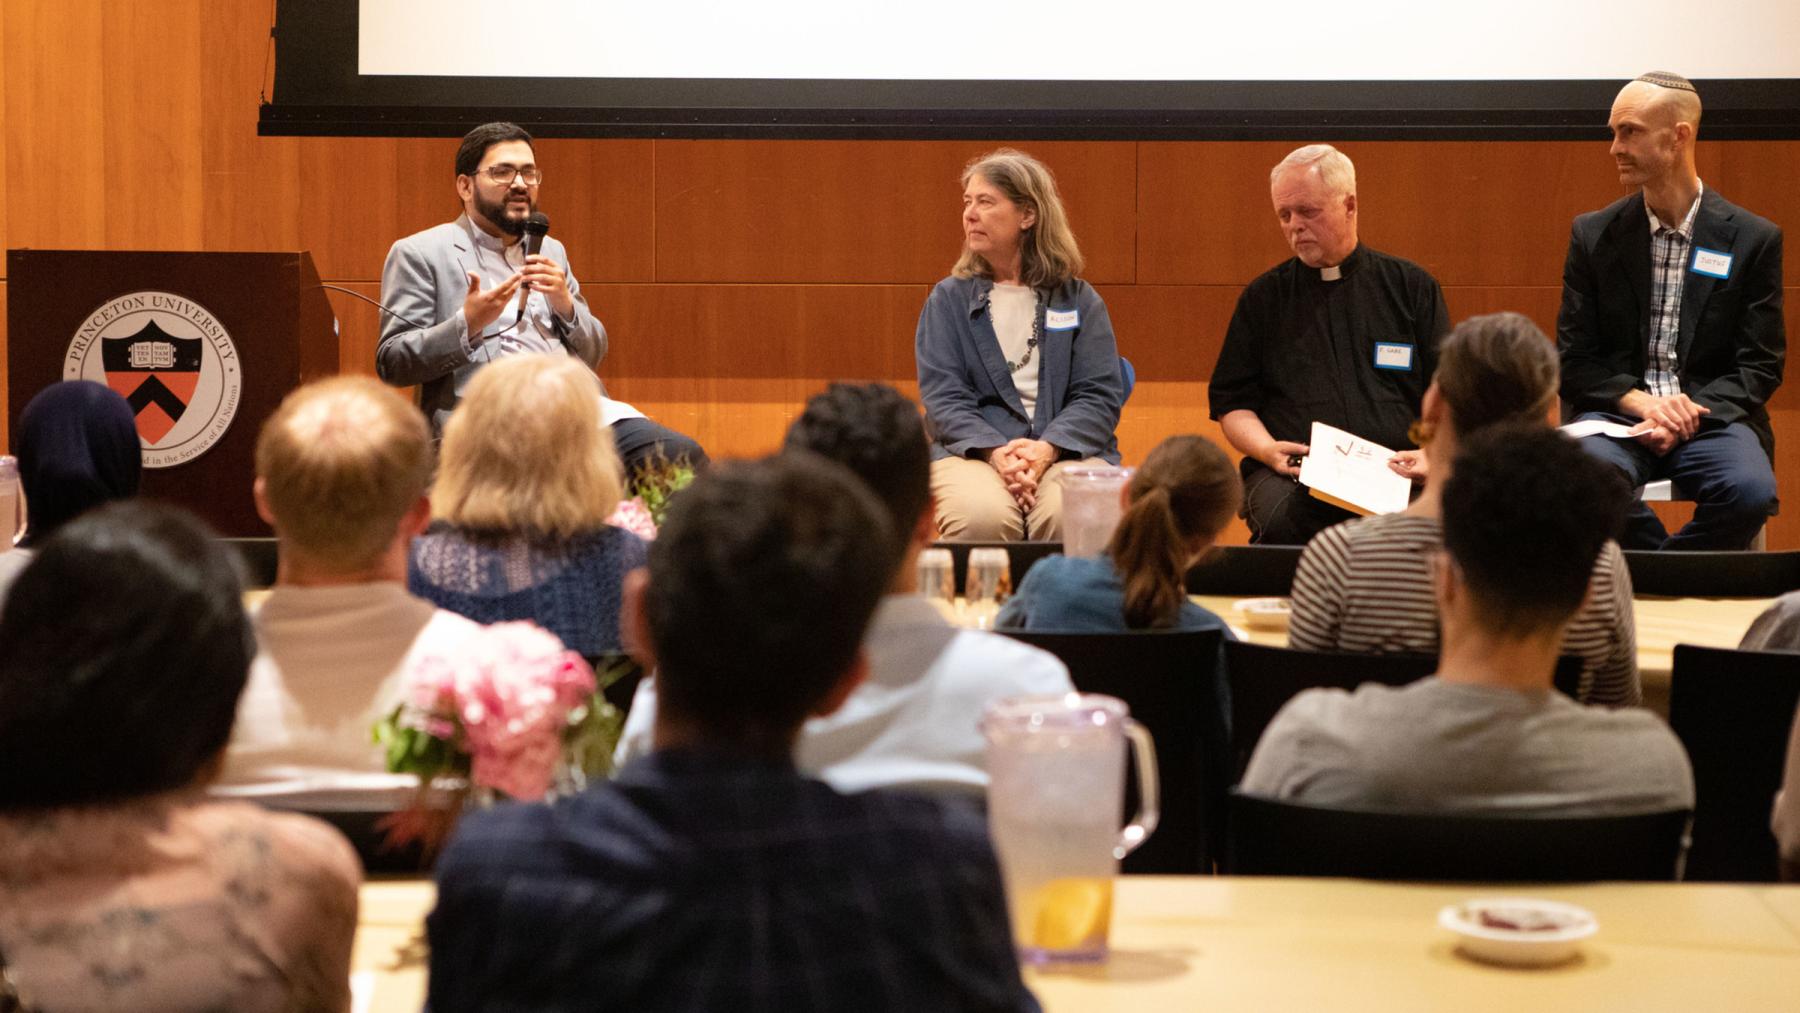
600 198
851 212
56 126
812 332
153 169
251 195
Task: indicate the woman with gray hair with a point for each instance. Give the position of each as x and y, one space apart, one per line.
1018 368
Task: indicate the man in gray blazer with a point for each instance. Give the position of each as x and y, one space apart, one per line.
462 294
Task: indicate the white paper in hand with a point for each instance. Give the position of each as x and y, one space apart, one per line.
1347 470
1597 427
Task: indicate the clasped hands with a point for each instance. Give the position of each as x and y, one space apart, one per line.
1667 421
482 307
1021 464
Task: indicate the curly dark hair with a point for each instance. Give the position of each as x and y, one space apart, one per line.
1525 514
876 432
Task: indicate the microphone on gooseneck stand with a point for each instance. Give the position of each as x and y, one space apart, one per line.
536 227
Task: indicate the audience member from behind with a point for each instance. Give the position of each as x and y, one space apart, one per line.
1525 513
711 874
124 887
78 447
1175 505
913 723
1366 587
341 473
527 479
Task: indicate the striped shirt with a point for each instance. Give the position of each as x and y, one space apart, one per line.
1364 586
1668 257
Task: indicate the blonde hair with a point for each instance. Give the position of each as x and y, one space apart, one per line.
1497 368
342 461
525 451
1186 490
1335 168
1048 255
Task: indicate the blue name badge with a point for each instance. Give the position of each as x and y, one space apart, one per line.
1389 355
1711 263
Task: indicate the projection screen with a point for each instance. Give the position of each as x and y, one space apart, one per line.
932 68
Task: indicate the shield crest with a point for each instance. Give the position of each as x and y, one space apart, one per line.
155 373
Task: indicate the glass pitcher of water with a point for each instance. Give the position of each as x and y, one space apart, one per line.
1056 766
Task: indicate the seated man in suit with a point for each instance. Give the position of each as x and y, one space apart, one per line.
1525 514
913 724
1671 324
461 294
711 874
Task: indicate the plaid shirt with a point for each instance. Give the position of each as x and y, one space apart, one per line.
693 882
1668 259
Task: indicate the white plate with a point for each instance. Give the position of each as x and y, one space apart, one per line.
1567 924
1263 613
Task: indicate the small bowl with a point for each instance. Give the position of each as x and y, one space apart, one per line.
1519 931
1263 613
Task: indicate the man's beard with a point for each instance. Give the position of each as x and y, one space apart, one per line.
495 213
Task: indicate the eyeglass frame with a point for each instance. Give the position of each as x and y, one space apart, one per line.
518 172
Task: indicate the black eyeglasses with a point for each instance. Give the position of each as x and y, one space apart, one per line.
504 174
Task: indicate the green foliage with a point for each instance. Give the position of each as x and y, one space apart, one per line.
658 482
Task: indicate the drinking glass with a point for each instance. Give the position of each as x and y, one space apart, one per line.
989 584
937 580
1056 768
1091 507
12 502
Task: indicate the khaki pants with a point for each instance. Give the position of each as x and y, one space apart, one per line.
974 506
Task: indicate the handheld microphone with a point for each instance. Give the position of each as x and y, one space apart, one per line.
537 226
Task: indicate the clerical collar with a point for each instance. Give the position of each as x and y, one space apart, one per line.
1344 267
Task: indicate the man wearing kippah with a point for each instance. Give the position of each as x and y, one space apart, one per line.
1671 324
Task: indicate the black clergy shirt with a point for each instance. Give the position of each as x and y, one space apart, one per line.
1302 349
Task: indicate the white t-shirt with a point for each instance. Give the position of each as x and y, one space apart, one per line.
332 662
1014 311
914 723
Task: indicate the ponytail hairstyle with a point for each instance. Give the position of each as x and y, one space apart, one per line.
1186 491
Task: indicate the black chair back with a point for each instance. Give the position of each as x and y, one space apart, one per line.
1264 678
1713 574
1169 680
1020 557
1272 838
1733 710
259 558
1246 570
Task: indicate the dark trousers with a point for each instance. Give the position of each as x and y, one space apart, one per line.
642 442
1280 511
1722 469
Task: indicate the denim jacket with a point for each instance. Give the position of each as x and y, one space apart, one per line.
970 402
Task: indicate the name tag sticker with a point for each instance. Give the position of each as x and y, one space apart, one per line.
1393 356
1712 263
1061 320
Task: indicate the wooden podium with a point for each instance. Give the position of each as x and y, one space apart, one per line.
202 345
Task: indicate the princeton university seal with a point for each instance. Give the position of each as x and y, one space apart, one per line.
172 361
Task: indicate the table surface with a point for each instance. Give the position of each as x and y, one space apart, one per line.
1661 624
1230 943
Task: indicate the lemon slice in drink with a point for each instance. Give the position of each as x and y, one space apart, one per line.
1072 913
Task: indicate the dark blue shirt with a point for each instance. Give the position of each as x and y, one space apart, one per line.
571 587
694 882
1084 595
